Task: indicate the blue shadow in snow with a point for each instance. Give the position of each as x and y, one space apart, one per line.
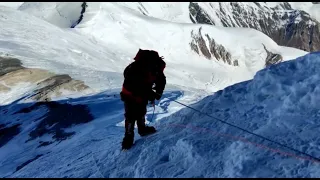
53 117
163 103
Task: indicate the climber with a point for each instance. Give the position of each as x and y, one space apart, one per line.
144 81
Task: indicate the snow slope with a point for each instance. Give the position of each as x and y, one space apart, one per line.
14 5
96 51
64 14
312 9
280 103
170 11
315 11
121 28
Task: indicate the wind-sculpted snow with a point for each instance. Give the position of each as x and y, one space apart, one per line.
62 14
280 103
45 127
81 136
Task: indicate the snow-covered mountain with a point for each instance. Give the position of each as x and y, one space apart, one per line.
110 34
58 50
292 24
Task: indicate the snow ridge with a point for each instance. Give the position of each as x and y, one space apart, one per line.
279 101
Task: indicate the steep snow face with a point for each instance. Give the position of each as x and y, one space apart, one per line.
304 6
61 14
315 11
169 11
126 28
14 5
280 103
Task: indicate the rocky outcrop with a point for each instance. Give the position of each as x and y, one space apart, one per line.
12 72
58 115
25 75
49 84
199 42
8 65
272 58
286 26
303 34
53 86
197 15
213 49
219 52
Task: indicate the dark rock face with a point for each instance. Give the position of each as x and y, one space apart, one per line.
8 65
198 44
272 58
197 40
219 52
215 50
285 26
83 10
304 35
53 84
50 84
197 15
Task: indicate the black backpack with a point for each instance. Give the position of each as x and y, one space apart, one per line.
151 60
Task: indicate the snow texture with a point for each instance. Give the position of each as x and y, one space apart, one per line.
100 47
279 102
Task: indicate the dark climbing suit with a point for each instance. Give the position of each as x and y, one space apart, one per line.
139 78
